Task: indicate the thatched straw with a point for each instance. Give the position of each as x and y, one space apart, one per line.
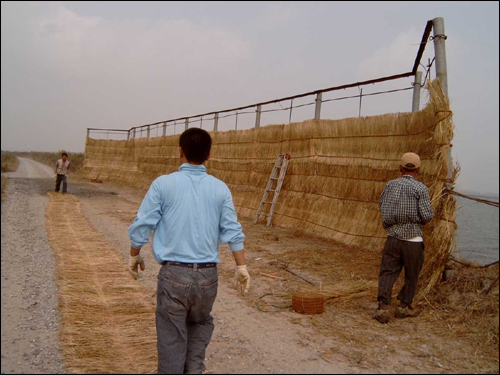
337 172
107 318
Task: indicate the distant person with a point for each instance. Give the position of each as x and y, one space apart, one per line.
405 206
61 170
190 212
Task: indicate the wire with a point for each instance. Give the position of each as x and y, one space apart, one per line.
362 95
429 69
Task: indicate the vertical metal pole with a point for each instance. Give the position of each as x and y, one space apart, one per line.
440 53
317 110
165 128
88 133
236 126
187 124
128 135
441 68
257 118
134 133
442 75
291 107
417 84
216 122
149 130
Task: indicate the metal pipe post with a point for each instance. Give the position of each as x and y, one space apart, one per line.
440 53
317 110
441 68
128 135
216 122
187 124
88 133
148 131
417 84
165 128
134 134
257 117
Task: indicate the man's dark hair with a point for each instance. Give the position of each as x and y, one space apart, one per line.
196 144
64 153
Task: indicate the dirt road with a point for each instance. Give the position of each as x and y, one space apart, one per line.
246 340
29 289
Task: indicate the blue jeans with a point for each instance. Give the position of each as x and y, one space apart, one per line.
184 326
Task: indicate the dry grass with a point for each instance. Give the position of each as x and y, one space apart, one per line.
456 332
5 180
107 318
9 162
466 307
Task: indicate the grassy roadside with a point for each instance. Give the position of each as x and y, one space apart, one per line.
9 164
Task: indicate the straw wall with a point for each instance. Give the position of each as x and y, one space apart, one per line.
336 175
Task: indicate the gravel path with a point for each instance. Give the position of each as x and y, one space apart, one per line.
28 289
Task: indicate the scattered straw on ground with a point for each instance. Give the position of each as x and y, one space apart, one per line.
107 318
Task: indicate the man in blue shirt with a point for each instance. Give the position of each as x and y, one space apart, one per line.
190 212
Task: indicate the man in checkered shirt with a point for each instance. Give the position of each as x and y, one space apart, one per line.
405 206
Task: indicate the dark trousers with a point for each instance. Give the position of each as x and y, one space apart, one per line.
61 178
399 254
184 325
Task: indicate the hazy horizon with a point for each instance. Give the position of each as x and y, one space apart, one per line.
67 66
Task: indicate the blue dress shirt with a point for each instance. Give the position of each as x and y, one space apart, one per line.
189 212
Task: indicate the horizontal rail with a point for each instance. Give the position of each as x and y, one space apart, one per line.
343 87
109 130
258 106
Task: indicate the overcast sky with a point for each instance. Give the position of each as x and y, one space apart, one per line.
67 66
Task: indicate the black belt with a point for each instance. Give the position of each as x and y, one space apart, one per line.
190 265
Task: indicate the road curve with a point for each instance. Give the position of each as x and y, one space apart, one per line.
31 169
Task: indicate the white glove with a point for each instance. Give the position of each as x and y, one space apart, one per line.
133 265
242 279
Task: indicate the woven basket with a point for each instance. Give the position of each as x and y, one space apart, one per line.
308 303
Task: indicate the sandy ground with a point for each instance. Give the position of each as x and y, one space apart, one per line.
247 340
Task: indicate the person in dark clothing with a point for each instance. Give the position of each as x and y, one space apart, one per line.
61 171
405 206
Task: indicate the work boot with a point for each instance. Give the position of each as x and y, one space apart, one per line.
407 312
382 316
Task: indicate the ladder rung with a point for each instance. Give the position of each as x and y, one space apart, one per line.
268 202
274 178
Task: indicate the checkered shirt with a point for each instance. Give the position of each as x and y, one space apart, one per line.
405 205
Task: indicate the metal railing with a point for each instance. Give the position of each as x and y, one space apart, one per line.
183 123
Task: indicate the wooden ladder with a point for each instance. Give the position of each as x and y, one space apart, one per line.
281 164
